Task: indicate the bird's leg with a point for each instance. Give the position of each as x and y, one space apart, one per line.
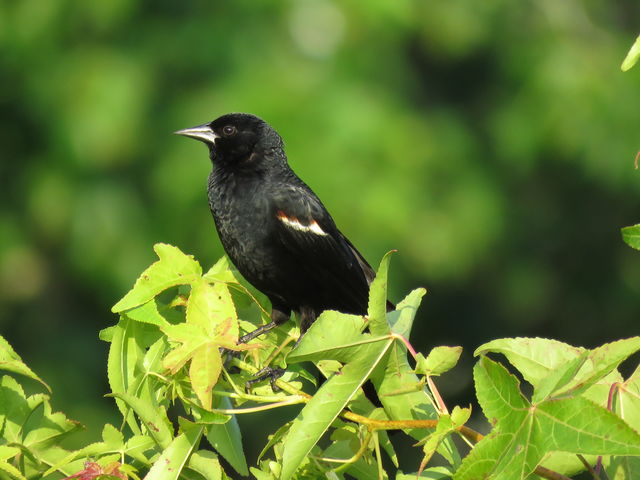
272 374
278 317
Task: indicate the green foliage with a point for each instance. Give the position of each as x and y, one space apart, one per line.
632 57
631 236
171 351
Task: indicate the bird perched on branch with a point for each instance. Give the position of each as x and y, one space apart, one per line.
273 227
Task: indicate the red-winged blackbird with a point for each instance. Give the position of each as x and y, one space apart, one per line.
274 228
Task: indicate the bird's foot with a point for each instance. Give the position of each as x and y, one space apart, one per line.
273 374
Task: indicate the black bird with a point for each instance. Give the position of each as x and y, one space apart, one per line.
275 229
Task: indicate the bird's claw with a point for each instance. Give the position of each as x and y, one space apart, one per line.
273 374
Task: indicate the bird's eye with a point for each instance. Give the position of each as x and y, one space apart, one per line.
229 130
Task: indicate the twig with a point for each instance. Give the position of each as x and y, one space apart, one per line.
436 396
594 474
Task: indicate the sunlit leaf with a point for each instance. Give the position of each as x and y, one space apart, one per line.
632 58
11 362
439 360
326 404
227 440
176 455
173 268
204 371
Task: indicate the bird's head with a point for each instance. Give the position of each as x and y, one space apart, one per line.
235 137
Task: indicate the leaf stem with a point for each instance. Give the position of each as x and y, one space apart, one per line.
231 411
357 455
436 395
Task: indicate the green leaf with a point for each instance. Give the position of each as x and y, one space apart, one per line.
8 452
401 319
221 271
605 359
227 440
433 473
11 362
210 306
624 468
594 430
175 456
275 438
498 393
154 418
535 358
204 372
377 310
137 445
439 360
206 463
587 369
326 404
523 433
324 341
345 449
559 378
147 313
627 400
173 268
126 353
11 470
398 376
631 59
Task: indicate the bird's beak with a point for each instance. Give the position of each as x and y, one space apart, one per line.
201 132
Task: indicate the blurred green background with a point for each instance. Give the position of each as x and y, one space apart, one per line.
490 143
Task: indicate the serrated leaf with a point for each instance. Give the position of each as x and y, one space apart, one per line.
345 449
326 404
147 313
221 271
587 369
559 378
632 58
11 470
206 463
275 438
524 433
624 468
173 268
535 358
401 319
8 452
627 400
175 456
445 427
155 419
126 352
112 437
594 430
227 440
333 335
439 360
204 372
210 305
11 362
433 473
460 416
137 445
377 309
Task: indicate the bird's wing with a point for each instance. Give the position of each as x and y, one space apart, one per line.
307 231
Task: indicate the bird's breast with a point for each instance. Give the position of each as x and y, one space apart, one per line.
242 213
